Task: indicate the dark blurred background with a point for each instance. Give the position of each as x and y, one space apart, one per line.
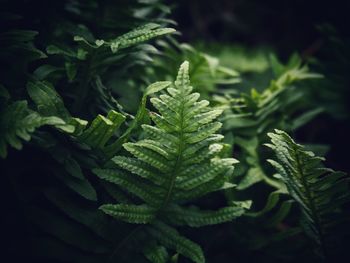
286 25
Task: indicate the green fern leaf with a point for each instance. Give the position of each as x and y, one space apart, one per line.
177 161
320 192
18 122
134 37
47 101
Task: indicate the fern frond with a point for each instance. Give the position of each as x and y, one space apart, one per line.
177 161
18 122
169 151
134 37
320 192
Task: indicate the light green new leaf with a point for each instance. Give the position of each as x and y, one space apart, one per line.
132 38
101 129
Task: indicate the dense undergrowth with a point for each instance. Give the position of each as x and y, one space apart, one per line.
120 143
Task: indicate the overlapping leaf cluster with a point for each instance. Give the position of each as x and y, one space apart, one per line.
250 116
74 94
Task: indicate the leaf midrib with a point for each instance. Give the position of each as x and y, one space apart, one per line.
178 162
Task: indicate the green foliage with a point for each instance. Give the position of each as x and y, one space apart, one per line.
177 162
250 116
80 96
19 122
320 192
134 37
94 59
253 111
101 129
67 90
247 117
